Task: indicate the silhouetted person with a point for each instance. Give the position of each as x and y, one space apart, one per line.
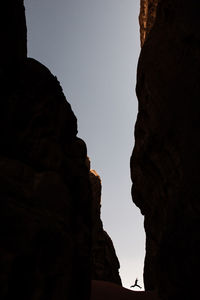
135 284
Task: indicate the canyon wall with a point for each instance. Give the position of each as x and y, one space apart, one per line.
46 195
104 262
165 161
147 17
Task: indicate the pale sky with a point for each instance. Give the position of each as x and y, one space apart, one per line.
92 47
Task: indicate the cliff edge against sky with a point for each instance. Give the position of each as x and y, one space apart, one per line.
165 162
46 193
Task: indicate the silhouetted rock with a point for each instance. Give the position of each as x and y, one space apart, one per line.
45 215
147 17
13 33
165 163
105 265
46 198
45 193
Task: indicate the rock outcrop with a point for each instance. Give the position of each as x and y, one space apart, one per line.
13 33
165 162
147 17
46 197
45 216
104 262
45 194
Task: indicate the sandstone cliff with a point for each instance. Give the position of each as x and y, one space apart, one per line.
104 262
13 32
45 216
147 17
165 162
45 188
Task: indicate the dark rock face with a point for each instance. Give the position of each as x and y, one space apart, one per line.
104 264
45 216
12 32
45 193
165 162
46 196
147 17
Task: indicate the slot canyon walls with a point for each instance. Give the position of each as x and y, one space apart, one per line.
50 241
165 162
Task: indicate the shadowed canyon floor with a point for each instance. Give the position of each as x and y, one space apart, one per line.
102 290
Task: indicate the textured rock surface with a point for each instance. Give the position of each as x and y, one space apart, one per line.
45 192
105 265
165 163
147 17
47 200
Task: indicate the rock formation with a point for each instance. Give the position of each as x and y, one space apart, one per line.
45 189
45 220
147 17
104 262
13 32
165 162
